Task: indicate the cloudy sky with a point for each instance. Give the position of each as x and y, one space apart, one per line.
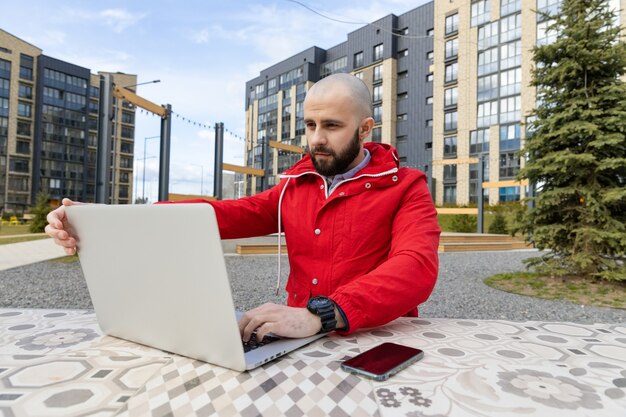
202 51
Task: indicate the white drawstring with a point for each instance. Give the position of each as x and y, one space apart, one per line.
280 200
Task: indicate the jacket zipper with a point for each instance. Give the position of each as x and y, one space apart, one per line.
381 174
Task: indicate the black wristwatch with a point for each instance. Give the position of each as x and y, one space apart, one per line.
325 308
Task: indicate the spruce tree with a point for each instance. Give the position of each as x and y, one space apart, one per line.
40 212
576 153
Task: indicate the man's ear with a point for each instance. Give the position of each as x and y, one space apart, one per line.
366 127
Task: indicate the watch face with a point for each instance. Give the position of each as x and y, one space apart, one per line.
319 302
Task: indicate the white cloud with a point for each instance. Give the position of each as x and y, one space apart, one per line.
119 19
201 36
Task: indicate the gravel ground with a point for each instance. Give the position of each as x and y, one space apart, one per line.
460 292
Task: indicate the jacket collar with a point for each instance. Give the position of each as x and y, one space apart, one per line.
384 159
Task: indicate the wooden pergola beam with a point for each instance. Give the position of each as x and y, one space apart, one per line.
124 94
286 147
243 170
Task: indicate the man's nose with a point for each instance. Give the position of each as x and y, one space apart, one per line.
317 137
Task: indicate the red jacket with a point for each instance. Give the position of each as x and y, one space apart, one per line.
371 246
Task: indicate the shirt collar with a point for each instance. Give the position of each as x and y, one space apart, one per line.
334 181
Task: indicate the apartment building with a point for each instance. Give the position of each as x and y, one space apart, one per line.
450 82
482 94
393 56
48 129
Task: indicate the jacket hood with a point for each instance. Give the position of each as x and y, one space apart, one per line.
384 158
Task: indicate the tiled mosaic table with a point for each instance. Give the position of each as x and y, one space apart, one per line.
57 363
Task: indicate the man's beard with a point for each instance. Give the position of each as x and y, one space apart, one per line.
338 163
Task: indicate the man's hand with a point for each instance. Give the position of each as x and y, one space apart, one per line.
280 320
57 227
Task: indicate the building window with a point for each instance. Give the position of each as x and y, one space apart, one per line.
488 35
377 134
480 12
452 24
26 91
450 120
259 89
479 141
509 194
430 32
402 117
403 74
430 56
449 173
430 77
359 75
451 73
272 83
378 73
26 73
403 96
378 93
510 109
358 59
18 165
545 35
487 114
23 128
487 88
378 52
24 109
378 114
449 194
22 147
333 67
509 164
452 48
450 96
4 107
449 147
488 61
429 101
403 53
510 6
510 137
4 87
511 55
551 7
511 28
510 82
429 122
5 67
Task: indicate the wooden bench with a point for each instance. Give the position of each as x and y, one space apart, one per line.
259 249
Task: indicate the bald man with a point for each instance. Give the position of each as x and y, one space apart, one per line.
361 232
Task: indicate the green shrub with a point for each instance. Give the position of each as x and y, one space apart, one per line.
498 226
463 223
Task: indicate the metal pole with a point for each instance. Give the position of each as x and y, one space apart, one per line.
143 176
164 160
266 163
143 190
479 191
105 128
219 160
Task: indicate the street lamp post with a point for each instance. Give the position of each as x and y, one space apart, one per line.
143 187
201 177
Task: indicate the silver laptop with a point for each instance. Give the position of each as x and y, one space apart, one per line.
156 275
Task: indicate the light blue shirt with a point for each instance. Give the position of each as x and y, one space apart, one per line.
333 182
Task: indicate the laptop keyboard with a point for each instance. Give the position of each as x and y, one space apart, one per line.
253 343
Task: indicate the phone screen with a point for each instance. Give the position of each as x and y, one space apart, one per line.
383 359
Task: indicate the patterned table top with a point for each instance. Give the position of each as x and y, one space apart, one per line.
57 363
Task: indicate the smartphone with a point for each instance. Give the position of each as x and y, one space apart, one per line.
382 361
